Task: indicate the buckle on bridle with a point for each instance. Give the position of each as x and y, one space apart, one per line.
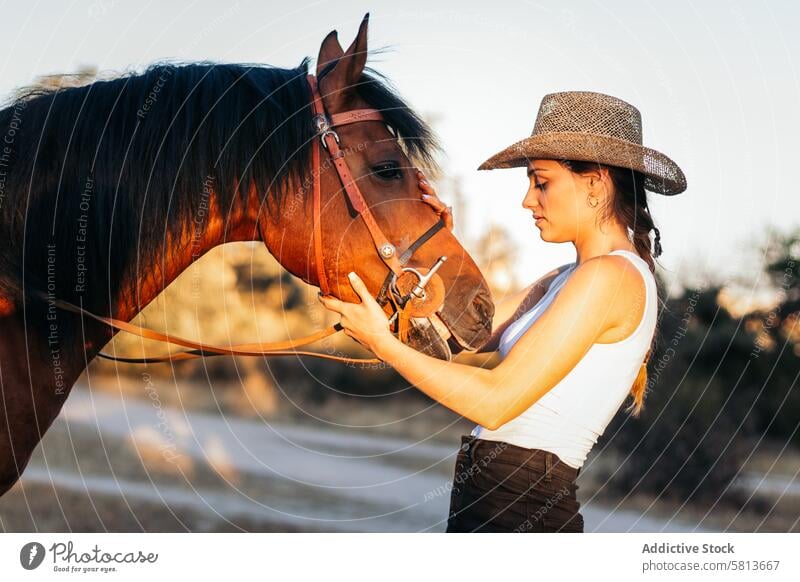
324 128
418 290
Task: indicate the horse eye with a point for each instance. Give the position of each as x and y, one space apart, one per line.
388 171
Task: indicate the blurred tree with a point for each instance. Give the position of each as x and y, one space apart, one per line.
496 254
716 385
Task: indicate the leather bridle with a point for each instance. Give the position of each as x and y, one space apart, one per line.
411 303
412 292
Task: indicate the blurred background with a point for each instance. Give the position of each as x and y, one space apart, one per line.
299 444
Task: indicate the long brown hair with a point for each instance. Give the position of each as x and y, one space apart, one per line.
629 206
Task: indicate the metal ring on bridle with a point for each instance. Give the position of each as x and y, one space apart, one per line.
422 280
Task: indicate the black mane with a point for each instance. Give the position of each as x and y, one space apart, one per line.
92 178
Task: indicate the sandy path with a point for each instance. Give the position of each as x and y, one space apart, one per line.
310 477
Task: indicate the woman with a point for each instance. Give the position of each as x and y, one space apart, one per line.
574 344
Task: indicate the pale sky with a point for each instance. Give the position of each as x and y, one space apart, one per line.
717 84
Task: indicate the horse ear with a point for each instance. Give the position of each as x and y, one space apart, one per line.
329 51
337 83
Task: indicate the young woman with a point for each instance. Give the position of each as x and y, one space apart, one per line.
574 344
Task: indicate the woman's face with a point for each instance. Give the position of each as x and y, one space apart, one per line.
558 196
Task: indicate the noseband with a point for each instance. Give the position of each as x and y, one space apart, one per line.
412 293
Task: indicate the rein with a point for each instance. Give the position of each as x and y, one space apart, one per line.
412 292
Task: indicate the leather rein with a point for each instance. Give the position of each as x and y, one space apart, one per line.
412 292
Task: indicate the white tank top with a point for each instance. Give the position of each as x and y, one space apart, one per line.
570 418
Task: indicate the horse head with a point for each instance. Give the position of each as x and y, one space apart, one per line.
379 156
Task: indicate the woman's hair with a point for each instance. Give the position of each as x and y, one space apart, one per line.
629 206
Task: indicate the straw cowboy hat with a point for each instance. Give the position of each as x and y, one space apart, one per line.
592 127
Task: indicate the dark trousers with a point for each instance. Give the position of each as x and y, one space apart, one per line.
500 487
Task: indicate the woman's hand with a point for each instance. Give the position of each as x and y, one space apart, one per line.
365 322
429 197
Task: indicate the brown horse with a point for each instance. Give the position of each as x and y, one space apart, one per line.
109 191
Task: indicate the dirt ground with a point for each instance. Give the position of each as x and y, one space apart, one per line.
120 460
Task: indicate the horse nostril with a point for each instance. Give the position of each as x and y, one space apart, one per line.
480 308
483 306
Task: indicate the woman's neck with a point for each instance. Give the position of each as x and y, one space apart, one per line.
602 244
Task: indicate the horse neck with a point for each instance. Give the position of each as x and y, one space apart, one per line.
288 233
181 251
178 254
39 372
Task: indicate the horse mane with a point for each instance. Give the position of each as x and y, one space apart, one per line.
94 178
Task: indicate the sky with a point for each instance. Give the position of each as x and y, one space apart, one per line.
717 83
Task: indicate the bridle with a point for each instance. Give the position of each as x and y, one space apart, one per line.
412 292
410 298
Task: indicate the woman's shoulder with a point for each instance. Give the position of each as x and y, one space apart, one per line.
631 269
621 280
622 271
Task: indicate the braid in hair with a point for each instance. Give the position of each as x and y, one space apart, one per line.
629 206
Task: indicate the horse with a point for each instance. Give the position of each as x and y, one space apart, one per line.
108 191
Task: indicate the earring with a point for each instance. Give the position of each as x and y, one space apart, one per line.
589 200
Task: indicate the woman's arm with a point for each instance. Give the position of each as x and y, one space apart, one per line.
596 298
510 309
